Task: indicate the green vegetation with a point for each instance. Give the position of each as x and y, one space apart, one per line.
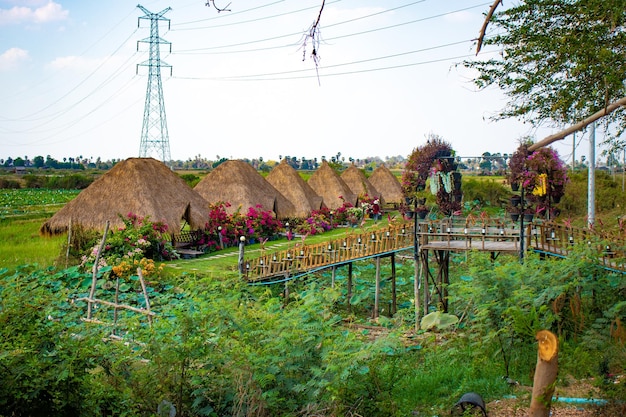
20 244
218 346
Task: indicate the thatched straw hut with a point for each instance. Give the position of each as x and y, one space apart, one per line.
142 186
387 184
329 185
290 184
238 183
359 184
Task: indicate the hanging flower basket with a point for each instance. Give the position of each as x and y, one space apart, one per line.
514 216
528 217
515 186
516 200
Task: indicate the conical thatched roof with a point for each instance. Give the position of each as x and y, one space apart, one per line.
238 183
142 186
387 184
358 183
290 184
329 185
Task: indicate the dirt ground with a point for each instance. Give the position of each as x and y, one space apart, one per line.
518 406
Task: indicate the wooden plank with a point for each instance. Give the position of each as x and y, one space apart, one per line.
188 253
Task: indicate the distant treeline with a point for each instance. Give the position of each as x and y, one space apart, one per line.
53 182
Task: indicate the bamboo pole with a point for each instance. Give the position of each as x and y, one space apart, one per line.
69 242
145 294
94 275
109 303
377 290
545 374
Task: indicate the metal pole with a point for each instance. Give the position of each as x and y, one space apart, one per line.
591 179
574 152
416 285
521 226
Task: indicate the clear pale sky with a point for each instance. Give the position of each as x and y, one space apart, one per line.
70 85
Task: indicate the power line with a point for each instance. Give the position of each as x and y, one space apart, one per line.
75 121
231 14
261 77
47 79
195 50
29 117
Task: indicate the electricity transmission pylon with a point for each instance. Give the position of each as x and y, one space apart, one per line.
154 136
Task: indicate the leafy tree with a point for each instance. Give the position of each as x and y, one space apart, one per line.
561 61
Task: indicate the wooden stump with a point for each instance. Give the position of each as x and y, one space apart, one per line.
545 374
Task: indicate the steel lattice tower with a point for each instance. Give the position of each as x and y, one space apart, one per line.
154 136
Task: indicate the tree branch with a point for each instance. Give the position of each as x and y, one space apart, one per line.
578 126
481 36
224 9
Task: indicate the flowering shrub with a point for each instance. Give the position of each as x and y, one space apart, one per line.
262 224
354 215
370 205
340 215
137 244
318 222
256 224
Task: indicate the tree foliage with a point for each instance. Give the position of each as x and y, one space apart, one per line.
560 60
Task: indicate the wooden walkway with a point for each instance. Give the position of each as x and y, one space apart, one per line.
442 235
303 259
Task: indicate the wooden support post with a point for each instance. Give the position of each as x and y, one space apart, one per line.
333 275
416 293
394 301
377 290
445 278
545 374
117 300
349 283
425 274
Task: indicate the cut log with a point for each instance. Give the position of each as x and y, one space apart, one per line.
545 374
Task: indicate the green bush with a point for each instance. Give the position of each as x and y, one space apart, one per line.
487 192
9 183
609 195
574 297
47 355
191 179
55 182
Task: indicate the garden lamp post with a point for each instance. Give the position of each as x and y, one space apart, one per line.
242 243
219 236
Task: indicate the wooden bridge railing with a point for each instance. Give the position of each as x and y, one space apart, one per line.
493 235
559 240
489 235
301 258
545 237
